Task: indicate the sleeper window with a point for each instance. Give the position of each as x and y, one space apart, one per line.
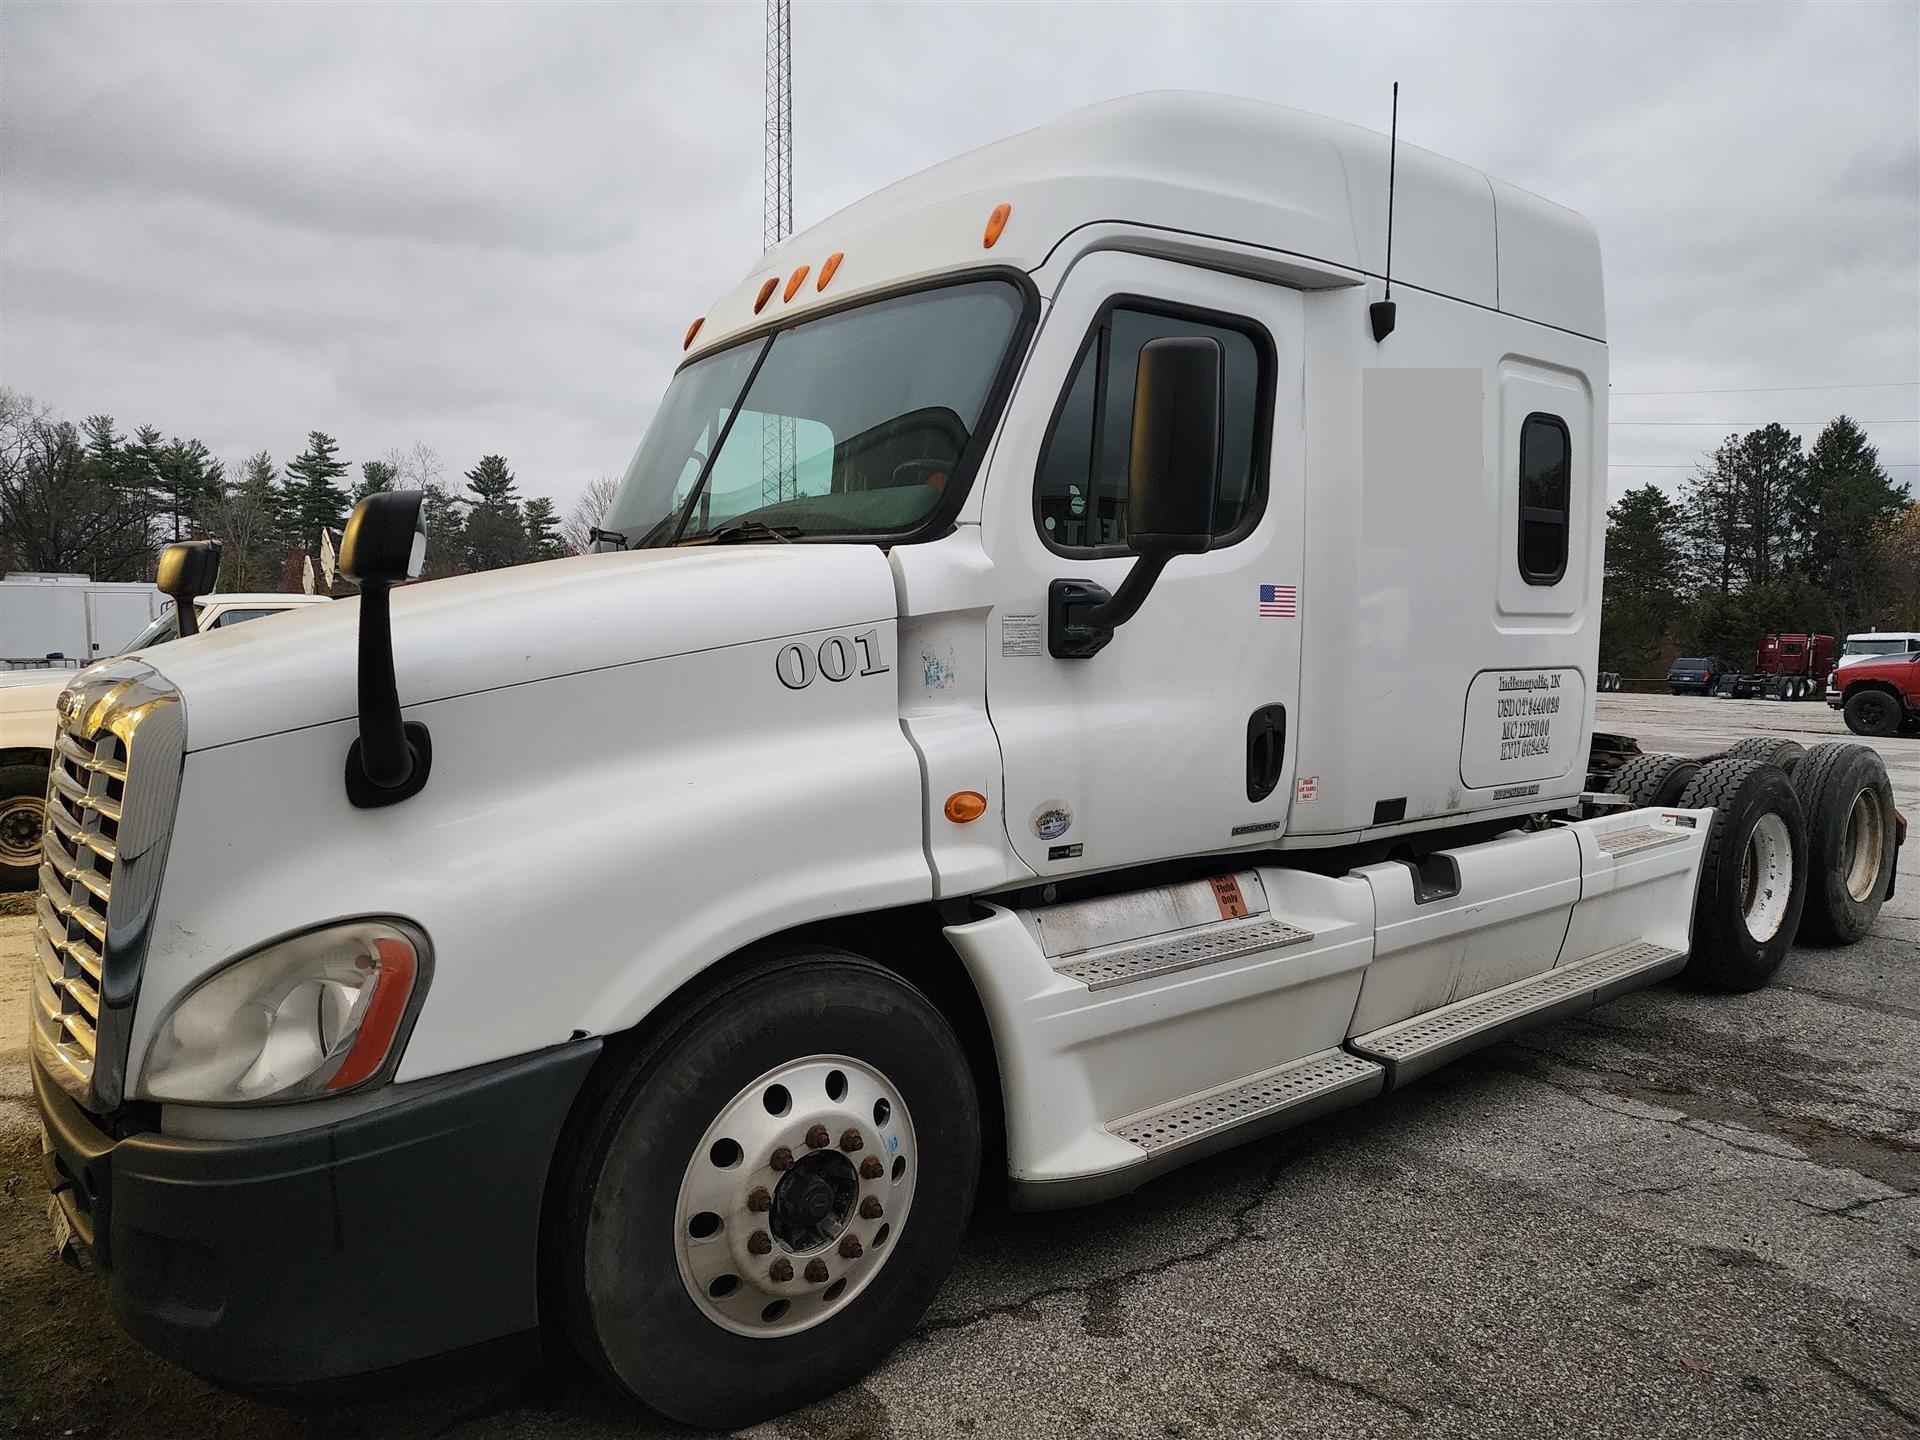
1546 485
1080 496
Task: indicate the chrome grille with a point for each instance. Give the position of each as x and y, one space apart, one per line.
85 794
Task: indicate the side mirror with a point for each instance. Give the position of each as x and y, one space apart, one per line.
384 544
1173 489
188 569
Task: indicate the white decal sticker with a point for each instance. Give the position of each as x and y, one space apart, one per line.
1052 820
1307 788
1522 725
1020 636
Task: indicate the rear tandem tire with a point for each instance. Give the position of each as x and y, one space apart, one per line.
1787 754
1654 779
1850 846
644 1150
1753 876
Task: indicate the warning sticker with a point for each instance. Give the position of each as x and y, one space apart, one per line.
1226 890
1020 636
1306 788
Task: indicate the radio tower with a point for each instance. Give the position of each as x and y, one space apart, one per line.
777 457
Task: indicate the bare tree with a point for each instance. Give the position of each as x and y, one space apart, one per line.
588 511
57 512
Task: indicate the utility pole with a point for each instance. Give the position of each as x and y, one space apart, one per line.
777 445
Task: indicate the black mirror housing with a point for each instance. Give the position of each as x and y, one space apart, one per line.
1173 466
188 569
386 538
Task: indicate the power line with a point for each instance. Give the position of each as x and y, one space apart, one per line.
1781 389
1734 424
1689 464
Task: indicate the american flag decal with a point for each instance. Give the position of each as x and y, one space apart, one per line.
1282 602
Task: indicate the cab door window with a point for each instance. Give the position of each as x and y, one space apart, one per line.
1080 488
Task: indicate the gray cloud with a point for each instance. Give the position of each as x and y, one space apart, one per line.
486 227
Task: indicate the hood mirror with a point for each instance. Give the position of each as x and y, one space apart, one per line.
385 544
188 569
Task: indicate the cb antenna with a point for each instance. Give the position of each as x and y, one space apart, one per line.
1382 312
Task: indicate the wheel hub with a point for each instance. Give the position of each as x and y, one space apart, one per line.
788 1204
20 822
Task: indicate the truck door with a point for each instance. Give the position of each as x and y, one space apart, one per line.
1174 739
114 617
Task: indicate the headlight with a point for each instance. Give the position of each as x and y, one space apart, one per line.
314 1014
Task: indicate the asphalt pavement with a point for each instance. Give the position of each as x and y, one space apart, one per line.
1680 1215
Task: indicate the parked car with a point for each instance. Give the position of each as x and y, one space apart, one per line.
1879 695
1695 676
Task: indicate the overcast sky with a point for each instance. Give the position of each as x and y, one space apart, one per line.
486 227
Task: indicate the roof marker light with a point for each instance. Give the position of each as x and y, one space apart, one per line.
766 294
693 330
997 222
794 284
827 270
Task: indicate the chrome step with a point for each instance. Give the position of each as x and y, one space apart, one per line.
1144 959
1410 1048
1639 837
1289 1094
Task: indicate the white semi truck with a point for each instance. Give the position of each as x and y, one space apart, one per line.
1075 679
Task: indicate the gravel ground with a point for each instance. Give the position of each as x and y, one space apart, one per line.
1679 1215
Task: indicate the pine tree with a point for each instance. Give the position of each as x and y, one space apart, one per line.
314 499
375 476
543 529
1853 504
496 531
1644 560
1770 475
1711 506
188 479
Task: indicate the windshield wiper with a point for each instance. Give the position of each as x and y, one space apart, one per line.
746 530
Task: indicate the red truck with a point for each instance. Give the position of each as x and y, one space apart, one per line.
1785 667
1880 696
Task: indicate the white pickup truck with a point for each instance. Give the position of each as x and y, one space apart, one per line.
1079 679
27 725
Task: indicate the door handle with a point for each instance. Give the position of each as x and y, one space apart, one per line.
1266 750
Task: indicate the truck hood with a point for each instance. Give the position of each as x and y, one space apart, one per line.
514 627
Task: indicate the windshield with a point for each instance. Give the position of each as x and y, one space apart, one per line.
849 425
163 629
1877 647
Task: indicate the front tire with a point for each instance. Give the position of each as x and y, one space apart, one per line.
23 815
1873 712
1753 876
767 1196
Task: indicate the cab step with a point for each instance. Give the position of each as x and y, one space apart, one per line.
1411 1048
1286 1095
1639 837
1183 950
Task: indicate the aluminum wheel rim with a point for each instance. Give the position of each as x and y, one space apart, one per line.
759 1252
1766 877
22 818
1865 843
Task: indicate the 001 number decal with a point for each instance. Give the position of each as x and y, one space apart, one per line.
833 657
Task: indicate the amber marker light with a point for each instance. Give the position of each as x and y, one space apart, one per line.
392 988
766 294
793 285
693 330
826 270
966 805
996 222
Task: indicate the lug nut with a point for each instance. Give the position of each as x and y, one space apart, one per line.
781 1159
871 1209
781 1271
816 1272
759 1243
817 1137
871 1168
851 1142
760 1199
850 1248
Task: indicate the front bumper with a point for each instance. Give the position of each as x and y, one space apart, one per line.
397 1234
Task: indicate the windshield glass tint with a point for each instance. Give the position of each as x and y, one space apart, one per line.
1875 647
163 629
854 423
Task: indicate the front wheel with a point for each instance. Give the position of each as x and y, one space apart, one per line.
1873 712
23 814
766 1198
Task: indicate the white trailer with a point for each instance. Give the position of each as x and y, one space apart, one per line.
1075 683
69 619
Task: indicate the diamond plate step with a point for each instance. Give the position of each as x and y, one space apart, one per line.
1142 960
1413 1047
1290 1094
1639 837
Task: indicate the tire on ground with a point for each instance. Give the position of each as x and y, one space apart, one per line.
1848 800
1654 779
616 1245
1787 754
1874 712
1753 876
23 813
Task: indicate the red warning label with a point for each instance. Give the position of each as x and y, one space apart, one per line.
1226 890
